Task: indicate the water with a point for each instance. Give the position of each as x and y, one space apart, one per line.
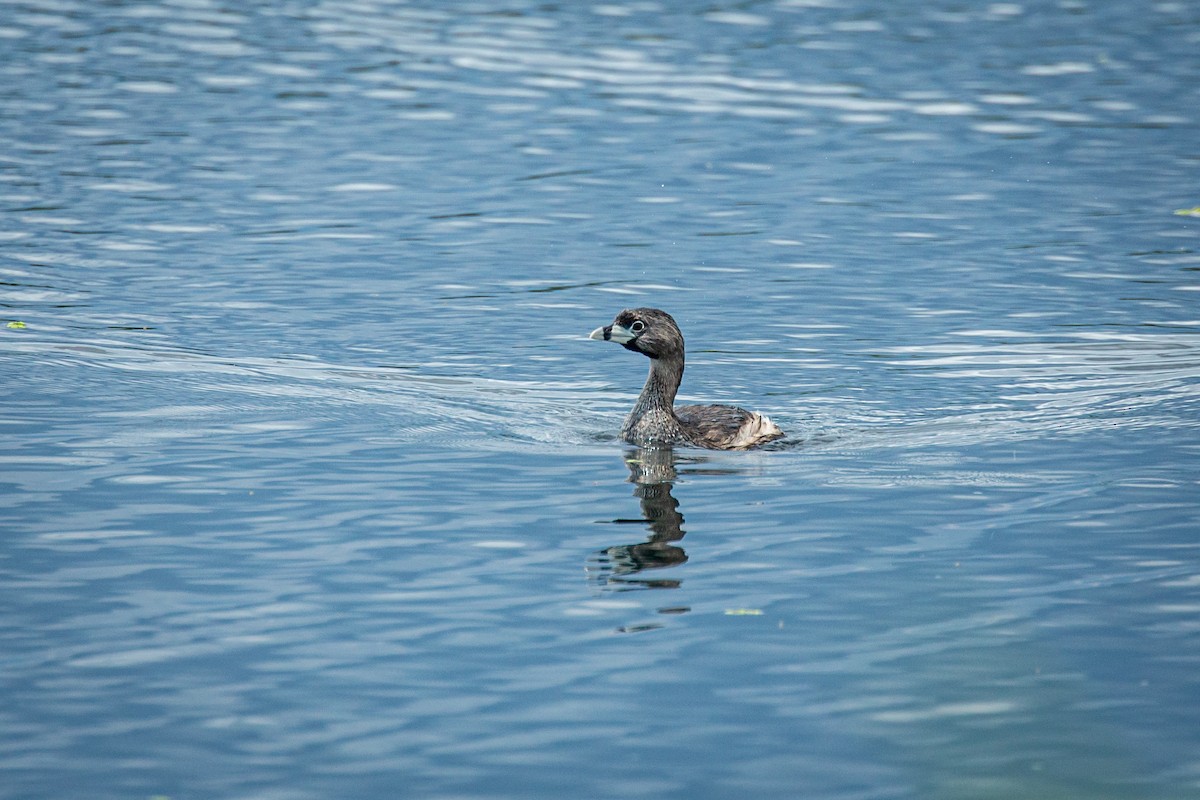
310 484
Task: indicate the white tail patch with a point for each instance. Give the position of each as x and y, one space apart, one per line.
756 430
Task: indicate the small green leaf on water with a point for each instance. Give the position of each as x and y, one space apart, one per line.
1188 212
743 612
16 325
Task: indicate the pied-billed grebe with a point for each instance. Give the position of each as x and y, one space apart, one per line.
654 419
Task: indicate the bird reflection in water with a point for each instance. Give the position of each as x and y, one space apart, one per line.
652 472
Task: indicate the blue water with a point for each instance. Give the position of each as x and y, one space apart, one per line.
310 486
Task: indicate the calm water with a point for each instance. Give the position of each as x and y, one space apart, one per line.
309 480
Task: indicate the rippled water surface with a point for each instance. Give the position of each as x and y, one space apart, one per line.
310 488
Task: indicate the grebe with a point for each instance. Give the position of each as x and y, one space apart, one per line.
654 418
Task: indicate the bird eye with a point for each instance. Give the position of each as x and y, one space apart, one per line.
638 326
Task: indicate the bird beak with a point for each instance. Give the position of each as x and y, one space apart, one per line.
613 333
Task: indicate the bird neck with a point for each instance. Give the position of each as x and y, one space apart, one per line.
661 385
